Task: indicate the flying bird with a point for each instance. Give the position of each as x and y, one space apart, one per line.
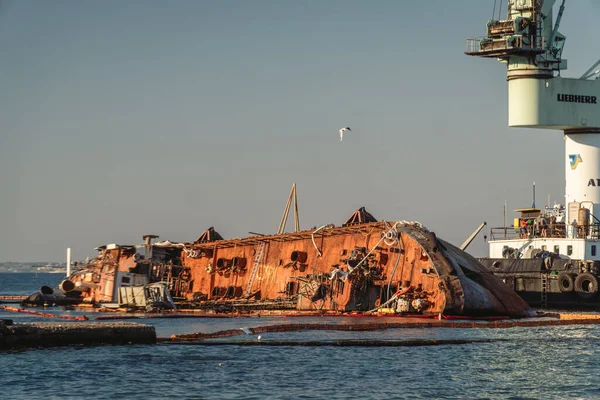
344 130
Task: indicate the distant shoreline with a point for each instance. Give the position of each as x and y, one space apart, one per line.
31 271
33 267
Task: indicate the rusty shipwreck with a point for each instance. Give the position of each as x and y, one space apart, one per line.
364 265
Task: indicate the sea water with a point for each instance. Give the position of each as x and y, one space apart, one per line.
536 363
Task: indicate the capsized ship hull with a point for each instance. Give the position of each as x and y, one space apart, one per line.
363 265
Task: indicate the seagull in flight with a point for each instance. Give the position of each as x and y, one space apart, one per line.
344 130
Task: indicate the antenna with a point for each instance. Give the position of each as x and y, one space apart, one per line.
68 262
504 219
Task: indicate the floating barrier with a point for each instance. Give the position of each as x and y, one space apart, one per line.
43 314
12 299
199 336
116 317
347 343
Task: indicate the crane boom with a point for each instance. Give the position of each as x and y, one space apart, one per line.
467 242
590 71
556 25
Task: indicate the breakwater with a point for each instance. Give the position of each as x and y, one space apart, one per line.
52 334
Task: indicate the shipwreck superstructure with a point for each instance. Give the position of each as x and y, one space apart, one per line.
364 265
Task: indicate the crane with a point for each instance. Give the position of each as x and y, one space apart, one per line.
539 97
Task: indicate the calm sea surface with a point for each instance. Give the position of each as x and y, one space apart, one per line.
532 363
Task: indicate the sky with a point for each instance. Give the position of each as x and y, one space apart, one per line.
122 118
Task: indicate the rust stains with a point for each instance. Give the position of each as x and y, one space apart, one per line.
362 266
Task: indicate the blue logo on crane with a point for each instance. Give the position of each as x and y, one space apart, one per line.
574 160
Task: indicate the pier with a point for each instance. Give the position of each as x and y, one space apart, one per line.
52 334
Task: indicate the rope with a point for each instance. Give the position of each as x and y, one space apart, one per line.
367 233
391 233
391 236
395 267
45 315
312 236
494 11
394 297
191 253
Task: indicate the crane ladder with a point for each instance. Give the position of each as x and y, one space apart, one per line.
257 260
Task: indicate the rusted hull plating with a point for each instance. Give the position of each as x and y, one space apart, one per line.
357 268
378 266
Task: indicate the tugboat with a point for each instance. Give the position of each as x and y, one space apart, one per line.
546 260
549 256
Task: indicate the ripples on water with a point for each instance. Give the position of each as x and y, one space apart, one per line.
16 284
534 363
524 366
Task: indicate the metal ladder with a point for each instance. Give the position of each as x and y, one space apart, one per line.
544 291
257 260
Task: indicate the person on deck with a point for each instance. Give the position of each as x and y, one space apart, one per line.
530 228
523 229
543 226
573 229
552 225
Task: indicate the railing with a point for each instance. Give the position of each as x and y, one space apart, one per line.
591 231
508 44
505 233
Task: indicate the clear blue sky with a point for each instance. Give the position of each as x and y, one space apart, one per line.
120 118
